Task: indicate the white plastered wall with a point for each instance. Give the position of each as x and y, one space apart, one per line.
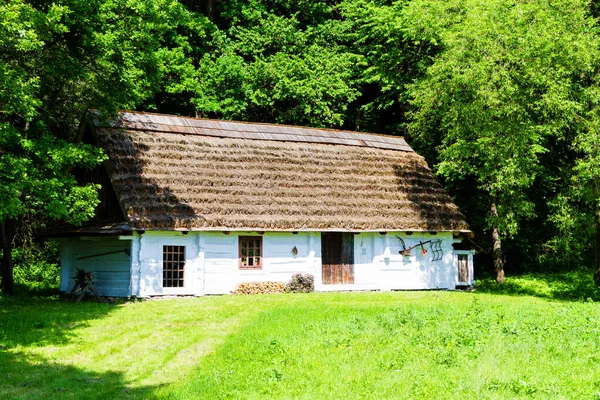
147 268
111 272
378 264
212 262
222 272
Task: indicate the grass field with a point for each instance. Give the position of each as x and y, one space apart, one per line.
534 338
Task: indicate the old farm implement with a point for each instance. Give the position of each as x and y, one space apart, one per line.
83 285
435 246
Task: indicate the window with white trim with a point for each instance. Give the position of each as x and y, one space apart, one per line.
173 266
250 256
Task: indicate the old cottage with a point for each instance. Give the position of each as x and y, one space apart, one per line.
195 207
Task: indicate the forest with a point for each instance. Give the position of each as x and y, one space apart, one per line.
500 96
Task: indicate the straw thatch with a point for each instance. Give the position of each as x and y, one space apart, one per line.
171 173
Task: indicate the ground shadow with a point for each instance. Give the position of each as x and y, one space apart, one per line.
26 377
39 321
577 285
28 321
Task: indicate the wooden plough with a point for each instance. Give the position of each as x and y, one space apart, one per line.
83 284
435 245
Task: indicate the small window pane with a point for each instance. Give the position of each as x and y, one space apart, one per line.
249 253
173 266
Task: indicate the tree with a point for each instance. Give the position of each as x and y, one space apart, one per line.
57 60
587 175
280 61
389 60
511 76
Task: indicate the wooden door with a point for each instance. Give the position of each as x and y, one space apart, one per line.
463 268
337 251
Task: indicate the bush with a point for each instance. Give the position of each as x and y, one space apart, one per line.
260 288
301 284
36 268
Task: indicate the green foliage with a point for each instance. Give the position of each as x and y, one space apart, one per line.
36 176
390 59
504 84
586 179
571 243
37 269
277 66
58 60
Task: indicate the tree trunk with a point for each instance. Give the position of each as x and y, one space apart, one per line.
210 9
497 247
597 264
6 236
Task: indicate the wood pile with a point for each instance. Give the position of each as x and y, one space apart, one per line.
260 288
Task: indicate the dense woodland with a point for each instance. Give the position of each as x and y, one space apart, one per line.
500 97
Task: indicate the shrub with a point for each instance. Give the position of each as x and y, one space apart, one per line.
36 268
301 284
260 288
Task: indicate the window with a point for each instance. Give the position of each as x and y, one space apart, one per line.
463 267
250 252
173 265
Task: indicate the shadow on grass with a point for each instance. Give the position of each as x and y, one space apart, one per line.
28 321
35 290
26 377
575 285
40 321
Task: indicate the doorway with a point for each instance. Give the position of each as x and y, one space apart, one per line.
337 251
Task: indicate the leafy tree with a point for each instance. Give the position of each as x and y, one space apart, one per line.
275 62
389 60
511 77
587 173
57 60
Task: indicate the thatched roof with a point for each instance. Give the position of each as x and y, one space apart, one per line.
182 173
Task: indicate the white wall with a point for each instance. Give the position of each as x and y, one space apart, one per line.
212 262
222 273
378 264
146 266
111 272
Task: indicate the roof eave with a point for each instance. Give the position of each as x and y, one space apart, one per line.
259 229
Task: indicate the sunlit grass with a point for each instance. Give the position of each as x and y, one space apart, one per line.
407 345
481 344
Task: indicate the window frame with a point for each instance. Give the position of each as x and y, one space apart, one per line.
470 270
241 264
164 271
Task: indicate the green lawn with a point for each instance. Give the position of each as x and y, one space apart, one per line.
527 340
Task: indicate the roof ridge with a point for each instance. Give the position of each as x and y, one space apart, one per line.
256 123
144 121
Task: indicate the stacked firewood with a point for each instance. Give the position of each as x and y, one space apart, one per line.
259 288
